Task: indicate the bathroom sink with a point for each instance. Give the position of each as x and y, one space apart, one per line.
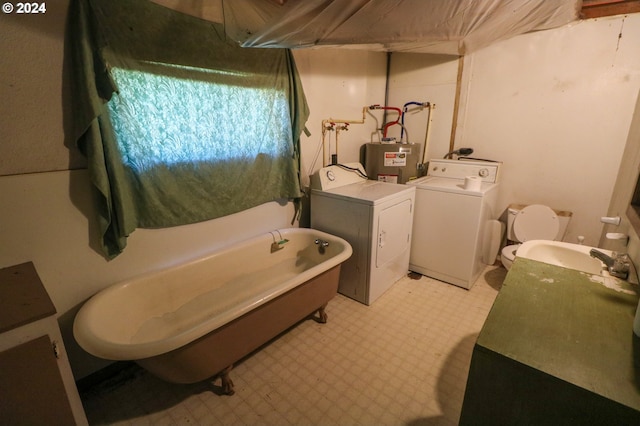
567 255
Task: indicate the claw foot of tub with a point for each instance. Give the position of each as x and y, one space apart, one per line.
227 383
322 315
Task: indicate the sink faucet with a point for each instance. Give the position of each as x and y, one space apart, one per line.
618 266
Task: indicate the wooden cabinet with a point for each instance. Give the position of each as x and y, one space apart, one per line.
36 382
556 349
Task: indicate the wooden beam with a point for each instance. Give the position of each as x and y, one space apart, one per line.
600 8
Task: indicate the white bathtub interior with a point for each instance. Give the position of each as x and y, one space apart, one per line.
163 310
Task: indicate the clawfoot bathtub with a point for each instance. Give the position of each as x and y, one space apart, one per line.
193 321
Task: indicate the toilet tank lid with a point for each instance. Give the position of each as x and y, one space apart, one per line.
536 222
515 208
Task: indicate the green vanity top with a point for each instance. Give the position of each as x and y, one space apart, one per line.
558 329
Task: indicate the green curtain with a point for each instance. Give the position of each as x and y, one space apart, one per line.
178 124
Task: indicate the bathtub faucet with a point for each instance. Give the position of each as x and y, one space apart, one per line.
277 245
322 245
618 266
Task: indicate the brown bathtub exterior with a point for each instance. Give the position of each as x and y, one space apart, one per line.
215 352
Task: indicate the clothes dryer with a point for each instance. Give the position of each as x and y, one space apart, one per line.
376 218
456 206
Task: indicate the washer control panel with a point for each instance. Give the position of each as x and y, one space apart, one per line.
335 176
459 169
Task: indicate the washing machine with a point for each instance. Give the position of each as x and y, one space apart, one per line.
375 217
454 228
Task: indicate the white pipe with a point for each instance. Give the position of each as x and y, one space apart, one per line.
330 123
326 125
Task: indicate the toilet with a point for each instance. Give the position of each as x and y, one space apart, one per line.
533 222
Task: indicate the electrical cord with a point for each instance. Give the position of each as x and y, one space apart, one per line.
478 159
353 169
459 152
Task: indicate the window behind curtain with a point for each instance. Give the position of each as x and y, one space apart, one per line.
164 120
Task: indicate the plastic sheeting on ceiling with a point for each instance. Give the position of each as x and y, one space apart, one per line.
454 27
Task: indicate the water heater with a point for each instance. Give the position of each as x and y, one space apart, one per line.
392 162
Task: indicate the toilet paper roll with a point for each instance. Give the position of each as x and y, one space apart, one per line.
472 183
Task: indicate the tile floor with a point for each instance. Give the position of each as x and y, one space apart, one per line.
402 361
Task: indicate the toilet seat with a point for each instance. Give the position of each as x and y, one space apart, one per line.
508 255
536 222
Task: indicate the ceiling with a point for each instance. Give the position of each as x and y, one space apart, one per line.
454 27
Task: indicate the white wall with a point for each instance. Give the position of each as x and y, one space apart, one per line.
338 85
424 78
555 106
623 193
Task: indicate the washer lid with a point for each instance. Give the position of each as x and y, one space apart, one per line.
536 222
455 186
370 192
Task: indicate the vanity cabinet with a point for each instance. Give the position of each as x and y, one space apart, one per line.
557 348
36 382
